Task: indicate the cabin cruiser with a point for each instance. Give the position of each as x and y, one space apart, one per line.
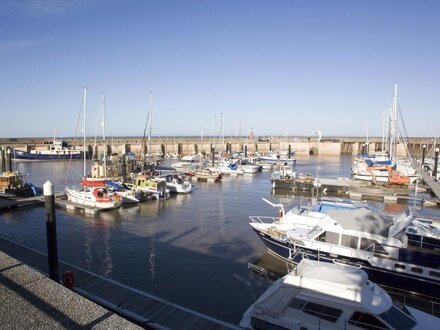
317 295
247 166
186 163
354 234
278 158
227 168
176 184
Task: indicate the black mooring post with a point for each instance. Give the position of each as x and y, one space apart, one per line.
51 231
434 173
245 151
123 167
10 158
423 153
3 159
290 150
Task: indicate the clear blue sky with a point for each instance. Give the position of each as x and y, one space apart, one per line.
279 67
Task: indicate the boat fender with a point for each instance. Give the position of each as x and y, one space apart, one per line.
280 214
69 279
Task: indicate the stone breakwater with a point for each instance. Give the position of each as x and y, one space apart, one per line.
191 145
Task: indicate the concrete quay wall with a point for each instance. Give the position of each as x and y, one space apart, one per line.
190 145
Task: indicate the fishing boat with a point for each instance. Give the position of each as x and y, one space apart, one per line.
157 187
59 150
294 181
317 295
12 183
354 234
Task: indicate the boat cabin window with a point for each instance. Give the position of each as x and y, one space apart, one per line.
349 241
297 303
417 270
320 311
366 321
397 319
329 237
434 273
372 245
399 266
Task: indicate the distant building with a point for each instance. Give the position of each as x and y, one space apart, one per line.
251 134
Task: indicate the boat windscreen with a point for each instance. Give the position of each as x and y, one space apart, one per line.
397 319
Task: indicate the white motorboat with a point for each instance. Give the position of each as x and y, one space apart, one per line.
248 166
176 184
387 247
320 295
186 163
278 158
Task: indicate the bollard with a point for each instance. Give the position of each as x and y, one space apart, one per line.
434 173
3 159
162 148
290 150
51 231
245 150
423 153
124 170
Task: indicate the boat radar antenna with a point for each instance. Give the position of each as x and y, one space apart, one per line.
281 206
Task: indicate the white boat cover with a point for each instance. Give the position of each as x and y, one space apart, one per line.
362 219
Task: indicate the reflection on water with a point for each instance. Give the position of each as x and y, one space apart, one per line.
184 249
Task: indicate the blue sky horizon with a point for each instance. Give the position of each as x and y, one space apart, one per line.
280 67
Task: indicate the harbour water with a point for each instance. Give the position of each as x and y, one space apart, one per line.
185 249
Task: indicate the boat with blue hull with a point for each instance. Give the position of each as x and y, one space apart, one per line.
59 150
355 235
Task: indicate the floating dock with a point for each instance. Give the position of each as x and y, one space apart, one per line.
145 309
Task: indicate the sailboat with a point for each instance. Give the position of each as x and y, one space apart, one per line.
97 195
385 167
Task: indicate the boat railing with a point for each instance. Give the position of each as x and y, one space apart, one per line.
262 219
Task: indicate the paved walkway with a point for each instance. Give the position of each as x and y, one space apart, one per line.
30 300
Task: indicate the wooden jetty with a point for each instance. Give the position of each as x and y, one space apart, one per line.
146 309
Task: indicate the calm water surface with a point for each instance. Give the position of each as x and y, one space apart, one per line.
184 249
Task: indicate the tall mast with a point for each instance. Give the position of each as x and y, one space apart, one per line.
151 121
84 146
103 133
393 125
